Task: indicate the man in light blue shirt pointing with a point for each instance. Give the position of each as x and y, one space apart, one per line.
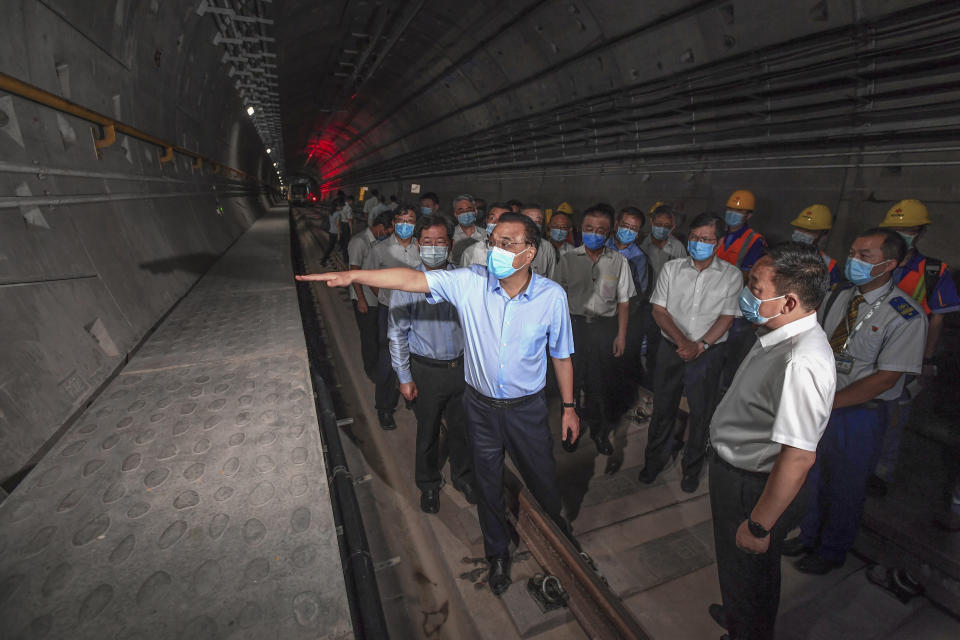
510 318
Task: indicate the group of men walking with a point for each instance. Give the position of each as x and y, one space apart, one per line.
462 315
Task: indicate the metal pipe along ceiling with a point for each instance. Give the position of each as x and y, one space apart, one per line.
888 82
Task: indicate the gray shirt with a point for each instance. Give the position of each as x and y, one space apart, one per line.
390 253
595 288
545 261
357 251
891 339
658 257
782 394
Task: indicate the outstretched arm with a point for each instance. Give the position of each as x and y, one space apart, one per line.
400 279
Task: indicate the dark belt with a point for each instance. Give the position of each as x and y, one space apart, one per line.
594 319
503 403
439 364
743 472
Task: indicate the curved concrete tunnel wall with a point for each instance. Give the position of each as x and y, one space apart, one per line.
81 284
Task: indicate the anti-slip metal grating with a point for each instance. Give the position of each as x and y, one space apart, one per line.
894 81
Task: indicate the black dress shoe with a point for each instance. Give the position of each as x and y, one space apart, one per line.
430 500
468 493
387 422
689 483
499 576
719 615
815 565
794 547
604 446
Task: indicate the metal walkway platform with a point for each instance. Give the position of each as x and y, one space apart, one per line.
190 499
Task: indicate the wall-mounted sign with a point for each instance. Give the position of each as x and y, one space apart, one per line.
414 188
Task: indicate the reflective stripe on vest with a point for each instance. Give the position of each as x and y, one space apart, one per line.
735 253
830 262
915 284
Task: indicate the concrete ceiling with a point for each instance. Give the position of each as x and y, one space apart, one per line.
365 82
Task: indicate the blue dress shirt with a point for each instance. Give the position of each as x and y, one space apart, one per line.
428 330
637 260
505 339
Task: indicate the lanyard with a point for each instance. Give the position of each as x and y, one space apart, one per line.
863 319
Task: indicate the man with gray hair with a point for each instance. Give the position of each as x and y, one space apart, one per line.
466 232
546 260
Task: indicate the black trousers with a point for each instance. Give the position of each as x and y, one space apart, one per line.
369 325
332 244
593 371
440 396
651 332
387 393
345 236
700 379
524 431
749 583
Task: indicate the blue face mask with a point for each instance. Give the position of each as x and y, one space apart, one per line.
593 241
433 256
700 250
426 210
660 233
733 218
403 230
558 235
466 218
908 238
490 227
802 237
500 262
626 236
858 271
750 307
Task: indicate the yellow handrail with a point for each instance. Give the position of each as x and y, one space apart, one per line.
110 125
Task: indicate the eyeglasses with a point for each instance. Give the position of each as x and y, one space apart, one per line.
706 239
442 242
507 245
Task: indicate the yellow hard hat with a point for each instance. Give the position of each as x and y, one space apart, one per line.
564 207
816 217
907 213
656 204
742 199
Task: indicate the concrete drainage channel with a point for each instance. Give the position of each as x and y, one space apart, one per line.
366 609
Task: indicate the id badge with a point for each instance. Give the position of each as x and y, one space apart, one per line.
844 363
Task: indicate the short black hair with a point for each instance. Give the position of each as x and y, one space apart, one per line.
384 218
663 210
430 195
514 203
894 246
564 214
402 208
799 269
532 231
708 218
433 220
632 211
498 205
601 211
605 206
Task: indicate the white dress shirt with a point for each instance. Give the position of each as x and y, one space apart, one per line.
595 288
695 299
357 251
782 394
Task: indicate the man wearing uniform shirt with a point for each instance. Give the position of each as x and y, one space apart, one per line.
660 246
509 317
399 250
765 433
811 227
693 303
426 349
630 221
877 333
560 225
477 252
546 260
364 300
466 232
599 287
928 281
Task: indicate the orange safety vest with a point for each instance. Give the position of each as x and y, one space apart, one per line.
735 253
914 283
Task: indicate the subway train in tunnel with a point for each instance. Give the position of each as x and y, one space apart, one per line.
670 286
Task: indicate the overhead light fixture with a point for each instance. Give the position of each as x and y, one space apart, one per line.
249 111
275 164
269 149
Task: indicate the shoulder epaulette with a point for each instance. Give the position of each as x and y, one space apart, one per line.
904 308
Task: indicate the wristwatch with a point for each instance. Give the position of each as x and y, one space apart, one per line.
706 345
568 405
757 529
